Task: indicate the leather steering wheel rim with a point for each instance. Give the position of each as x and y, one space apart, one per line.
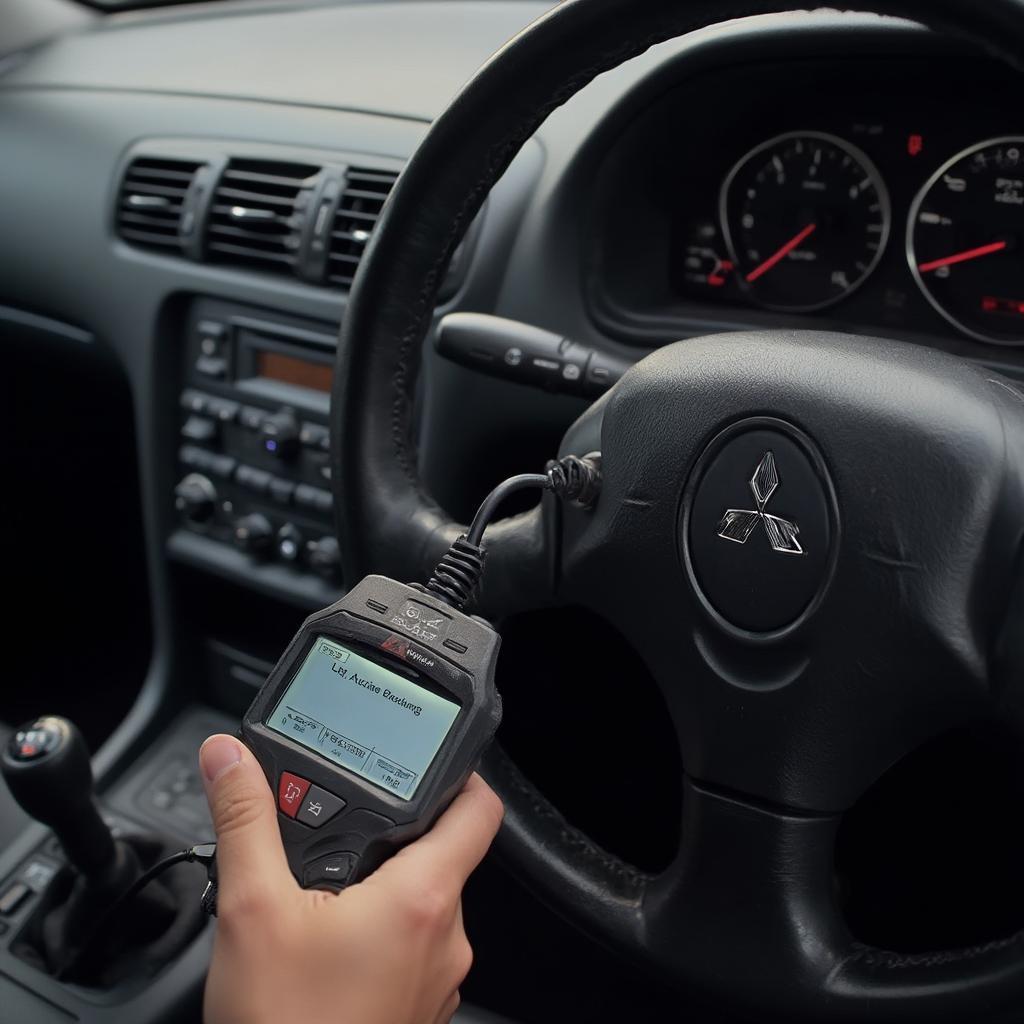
388 523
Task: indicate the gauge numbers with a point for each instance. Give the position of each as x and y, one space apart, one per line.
965 241
806 219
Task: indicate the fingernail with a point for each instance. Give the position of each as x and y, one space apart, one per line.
217 755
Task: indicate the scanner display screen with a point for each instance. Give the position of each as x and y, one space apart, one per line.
364 717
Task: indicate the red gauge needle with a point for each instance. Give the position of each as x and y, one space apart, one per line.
781 254
961 257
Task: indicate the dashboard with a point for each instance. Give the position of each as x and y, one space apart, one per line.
869 195
824 171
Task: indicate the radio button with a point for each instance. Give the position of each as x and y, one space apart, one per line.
313 435
194 401
319 807
193 457
222 466
257 480
314 499
222 409
200 429
281 434
251 417
211 366
289 543
212 329
291 791
281 490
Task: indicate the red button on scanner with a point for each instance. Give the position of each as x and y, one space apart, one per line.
290 791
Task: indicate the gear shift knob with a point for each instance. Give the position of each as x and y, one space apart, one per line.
46 766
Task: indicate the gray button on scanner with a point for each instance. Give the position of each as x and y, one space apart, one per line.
319 807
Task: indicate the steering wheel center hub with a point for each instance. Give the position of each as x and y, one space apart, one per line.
757 525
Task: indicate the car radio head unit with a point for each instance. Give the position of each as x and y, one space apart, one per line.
254 453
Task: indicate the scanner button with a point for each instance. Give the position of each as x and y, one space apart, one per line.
319 807
332 871
291 791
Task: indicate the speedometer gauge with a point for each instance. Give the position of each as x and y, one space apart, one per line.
965 241
806 218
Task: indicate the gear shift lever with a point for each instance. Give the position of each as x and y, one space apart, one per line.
46 766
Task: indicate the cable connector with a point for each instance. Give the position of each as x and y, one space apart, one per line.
572 478
206 854
457 574
577 479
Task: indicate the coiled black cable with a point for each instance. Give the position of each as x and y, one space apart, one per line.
457 574
572 478
575 478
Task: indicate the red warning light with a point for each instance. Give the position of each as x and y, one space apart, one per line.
717 278
915 143
1011 307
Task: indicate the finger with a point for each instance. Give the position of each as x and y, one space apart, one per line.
250 855
449 1008
447 855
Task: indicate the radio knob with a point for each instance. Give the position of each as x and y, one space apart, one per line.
289 543
325 557
253 533
280 433
196 498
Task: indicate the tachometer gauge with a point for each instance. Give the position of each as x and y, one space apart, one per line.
965 241
806 218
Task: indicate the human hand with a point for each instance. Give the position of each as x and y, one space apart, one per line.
389 950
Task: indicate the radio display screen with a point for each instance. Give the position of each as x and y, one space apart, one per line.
364 717
291 370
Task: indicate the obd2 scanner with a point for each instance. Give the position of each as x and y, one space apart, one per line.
383 704
370 724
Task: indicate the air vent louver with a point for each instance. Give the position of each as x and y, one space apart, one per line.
257 213
150 203
357 213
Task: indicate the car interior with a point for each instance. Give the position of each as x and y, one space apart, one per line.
287 287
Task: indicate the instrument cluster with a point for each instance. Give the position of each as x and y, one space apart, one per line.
805 218
846 195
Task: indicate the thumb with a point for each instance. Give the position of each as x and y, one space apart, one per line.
250 855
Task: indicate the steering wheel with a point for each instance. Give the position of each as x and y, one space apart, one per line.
813 540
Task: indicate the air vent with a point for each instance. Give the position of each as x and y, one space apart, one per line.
151 201
358 210
258 212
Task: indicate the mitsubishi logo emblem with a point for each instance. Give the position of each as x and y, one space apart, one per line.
739 523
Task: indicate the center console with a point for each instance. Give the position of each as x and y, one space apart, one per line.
253 498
